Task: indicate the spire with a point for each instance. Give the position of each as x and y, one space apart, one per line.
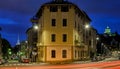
18 41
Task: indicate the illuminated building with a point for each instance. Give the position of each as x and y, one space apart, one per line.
62 35
108 31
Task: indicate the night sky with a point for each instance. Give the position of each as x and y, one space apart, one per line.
15 15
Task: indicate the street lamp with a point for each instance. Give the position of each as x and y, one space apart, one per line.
34 47
86 27
27 48
35 27
97 38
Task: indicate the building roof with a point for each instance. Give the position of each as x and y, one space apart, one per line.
60 2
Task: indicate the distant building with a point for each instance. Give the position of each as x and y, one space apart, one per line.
108 31
108 42
32 43
93 42
62 35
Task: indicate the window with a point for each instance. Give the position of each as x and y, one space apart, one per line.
53 8
53 37
53 22
53 54
64 22
64 37
64 54
64 8
75 53
89 42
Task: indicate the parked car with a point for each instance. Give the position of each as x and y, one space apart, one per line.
24 59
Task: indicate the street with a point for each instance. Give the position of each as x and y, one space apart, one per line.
88 65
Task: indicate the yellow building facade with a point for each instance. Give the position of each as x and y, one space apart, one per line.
62 33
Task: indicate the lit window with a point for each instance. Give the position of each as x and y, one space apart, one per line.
53 22
53 54
53 37
64 54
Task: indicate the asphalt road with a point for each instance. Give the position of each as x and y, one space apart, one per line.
93 65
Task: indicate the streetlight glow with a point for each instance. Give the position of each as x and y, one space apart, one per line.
87 26
35 27
97 38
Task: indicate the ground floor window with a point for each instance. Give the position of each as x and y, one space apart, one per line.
53 54
64 53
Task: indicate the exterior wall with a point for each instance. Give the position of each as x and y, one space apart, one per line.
93 41
58 53
77 44
59 30
81 38
48 29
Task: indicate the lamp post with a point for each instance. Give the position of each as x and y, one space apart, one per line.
34 50
102 44
35 27
27 49
87 26
97 43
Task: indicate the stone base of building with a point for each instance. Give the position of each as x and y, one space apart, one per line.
72 53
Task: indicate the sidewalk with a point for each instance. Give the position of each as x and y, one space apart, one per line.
111 59
80 62
23 64
89 61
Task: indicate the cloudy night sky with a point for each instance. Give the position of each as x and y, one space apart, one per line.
15 15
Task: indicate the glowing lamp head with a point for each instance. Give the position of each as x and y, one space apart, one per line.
87 26
35 27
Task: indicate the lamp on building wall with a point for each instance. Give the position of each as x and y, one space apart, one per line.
27 49
34 50
87 26
35 27
97 38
